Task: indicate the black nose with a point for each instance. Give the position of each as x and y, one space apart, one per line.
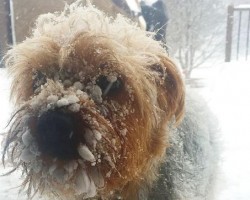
55 135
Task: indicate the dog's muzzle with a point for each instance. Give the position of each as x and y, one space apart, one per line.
56 136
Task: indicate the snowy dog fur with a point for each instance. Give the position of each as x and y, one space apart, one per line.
117 97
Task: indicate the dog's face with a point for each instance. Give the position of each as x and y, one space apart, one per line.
93 99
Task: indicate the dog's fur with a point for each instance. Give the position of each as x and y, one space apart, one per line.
123 96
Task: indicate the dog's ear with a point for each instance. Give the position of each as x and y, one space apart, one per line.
171 86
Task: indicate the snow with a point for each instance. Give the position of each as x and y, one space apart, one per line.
82 182
243 6
8 185
4 99
98 135
52 99
227 92
75 107
62 102
85 153
78 85
27 138
27 155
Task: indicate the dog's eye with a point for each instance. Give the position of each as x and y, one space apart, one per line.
38 79
158 69
109 84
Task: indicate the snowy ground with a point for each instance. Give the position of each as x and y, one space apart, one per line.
7 184
228 92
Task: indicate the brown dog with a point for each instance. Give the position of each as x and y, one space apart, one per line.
94 98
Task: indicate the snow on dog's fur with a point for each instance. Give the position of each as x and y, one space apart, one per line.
94 99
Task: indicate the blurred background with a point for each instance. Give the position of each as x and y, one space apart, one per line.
208 39
195 31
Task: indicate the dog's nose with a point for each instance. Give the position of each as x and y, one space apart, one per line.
55 135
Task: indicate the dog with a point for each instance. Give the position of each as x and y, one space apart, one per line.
98 114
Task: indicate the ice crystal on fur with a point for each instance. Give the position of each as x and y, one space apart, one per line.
86 154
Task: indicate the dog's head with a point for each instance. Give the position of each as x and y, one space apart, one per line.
93 97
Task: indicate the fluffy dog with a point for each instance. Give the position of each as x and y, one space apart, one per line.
97 101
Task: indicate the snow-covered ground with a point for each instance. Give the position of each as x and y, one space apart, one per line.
8 184
228 92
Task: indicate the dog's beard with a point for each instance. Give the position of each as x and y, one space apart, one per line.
82 148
